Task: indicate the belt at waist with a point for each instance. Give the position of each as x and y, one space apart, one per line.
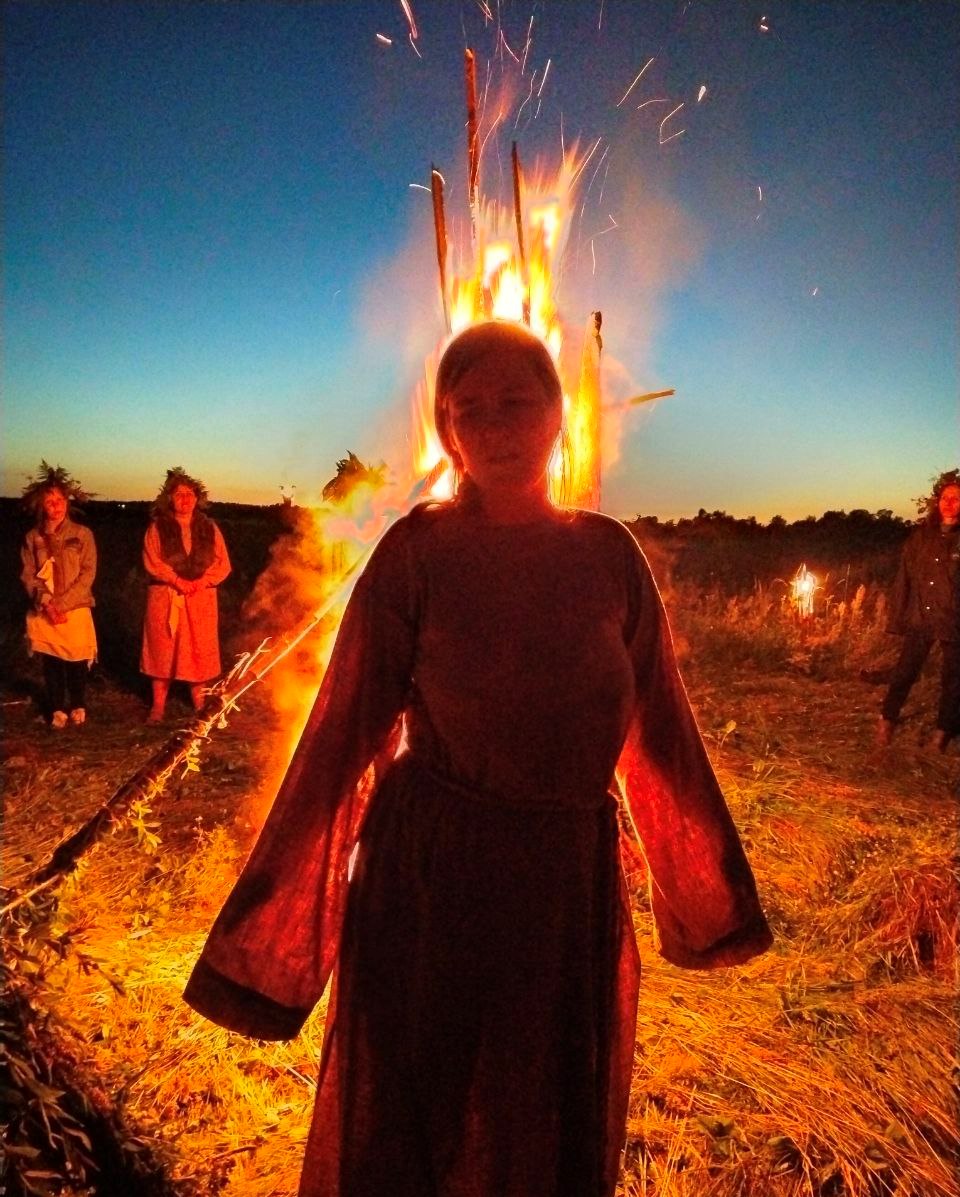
410 766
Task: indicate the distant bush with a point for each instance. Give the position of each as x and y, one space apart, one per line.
727 581
762 629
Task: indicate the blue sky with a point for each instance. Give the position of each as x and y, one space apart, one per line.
213 256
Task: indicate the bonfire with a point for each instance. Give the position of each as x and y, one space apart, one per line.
821 1068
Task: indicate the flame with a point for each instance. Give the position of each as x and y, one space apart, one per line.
804 588
493 278
496 281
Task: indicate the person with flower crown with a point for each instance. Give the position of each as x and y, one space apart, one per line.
463 881
186 559
59 564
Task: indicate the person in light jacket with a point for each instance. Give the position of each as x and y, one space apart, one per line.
59 564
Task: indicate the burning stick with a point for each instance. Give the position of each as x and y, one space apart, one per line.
638 399
440 232
518 213
151 778
473 145
584 427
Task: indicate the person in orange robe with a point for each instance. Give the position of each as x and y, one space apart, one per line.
186 559
470 901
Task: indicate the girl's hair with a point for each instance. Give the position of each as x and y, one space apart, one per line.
483 342
49 478
178 476
932 503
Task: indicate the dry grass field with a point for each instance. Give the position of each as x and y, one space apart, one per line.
826 1067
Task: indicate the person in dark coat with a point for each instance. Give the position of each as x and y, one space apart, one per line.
924 610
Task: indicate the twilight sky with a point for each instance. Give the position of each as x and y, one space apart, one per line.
213 255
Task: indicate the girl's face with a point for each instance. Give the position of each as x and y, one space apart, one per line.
55 506
184 500
504 422
949 504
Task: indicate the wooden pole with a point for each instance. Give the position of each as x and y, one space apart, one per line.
586 480
473 144
440 232
518 215
483 300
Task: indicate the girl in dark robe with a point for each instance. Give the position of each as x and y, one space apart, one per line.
480 1032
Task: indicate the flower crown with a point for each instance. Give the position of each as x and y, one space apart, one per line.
50 477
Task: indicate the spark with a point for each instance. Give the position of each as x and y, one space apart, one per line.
417 187
604 183
815 291
490 132
702 92
526 45
609 229
634 83
593 177
593 256
384 40
408 13
672 112
414 46
504 43
659 100
583 165
527 100
764 25
759 194
485 9
600 18
543 81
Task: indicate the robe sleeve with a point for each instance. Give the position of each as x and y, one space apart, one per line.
702 890
219 568
153 561
271 950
